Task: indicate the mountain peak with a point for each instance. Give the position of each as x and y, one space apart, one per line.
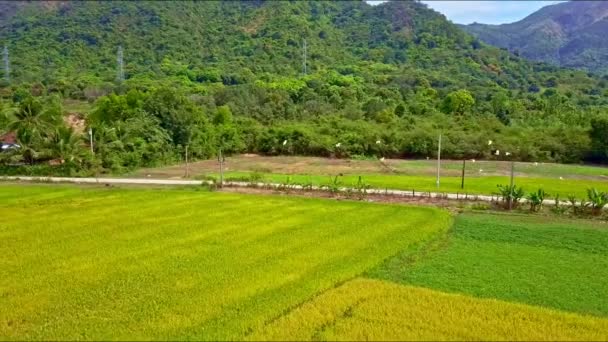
570 34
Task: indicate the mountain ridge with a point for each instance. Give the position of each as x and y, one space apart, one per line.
570 34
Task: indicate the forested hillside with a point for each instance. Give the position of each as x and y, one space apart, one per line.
378 80
570 34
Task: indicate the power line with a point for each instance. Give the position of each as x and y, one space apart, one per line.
120 73
7 67
304 69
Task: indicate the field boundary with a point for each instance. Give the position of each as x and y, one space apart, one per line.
277 186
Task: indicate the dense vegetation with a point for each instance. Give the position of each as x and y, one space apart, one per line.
183 266
380 80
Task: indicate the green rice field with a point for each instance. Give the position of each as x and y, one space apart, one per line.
93 263
473 185
561 264
97 263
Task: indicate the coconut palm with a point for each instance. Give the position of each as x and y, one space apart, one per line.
65 144
32 118
33 124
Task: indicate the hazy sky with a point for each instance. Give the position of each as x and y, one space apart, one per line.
486 12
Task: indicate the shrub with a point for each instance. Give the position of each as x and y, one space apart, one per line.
256 177
557 208
361 188
597 200
511 194
334 185
536 199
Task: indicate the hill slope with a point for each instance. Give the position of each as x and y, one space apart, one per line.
397 73
571 34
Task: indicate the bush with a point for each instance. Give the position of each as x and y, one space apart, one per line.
598 200
511 194
536 199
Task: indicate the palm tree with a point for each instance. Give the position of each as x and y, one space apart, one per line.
33 124
34 119
29 148
65 144
6 114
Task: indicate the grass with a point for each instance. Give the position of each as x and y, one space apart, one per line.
473 185
553 263
109 263
492 167
365 309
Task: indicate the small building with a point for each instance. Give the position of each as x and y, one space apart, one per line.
8 141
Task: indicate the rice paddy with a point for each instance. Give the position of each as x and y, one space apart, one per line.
473 185
561 264
373 310
92 263
106 263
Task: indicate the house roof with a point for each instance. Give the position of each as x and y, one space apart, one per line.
8 138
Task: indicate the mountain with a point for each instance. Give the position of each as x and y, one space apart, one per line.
572 34
398 73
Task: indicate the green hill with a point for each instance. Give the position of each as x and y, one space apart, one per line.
397 73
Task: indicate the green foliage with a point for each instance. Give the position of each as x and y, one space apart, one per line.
236 83
536 199
599 138
597 199
361 188
512 194
458 102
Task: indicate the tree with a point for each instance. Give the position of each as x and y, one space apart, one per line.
458 102
68 146
34 123
227 137
35 118
599 139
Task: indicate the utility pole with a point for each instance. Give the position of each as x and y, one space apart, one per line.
464 161
511 187
7 67
91 140
120 74
304 69
187 166
438 160
220 158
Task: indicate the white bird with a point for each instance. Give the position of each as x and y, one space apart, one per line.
473 160
497 152
284 142
338 144
508 153
377 141
489 142
382 159
480 170
561 178
535 163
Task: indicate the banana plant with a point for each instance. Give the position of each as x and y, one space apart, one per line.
536 199
597 199
511 194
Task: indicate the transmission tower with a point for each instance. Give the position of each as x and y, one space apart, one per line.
120 76
7 67
304 57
